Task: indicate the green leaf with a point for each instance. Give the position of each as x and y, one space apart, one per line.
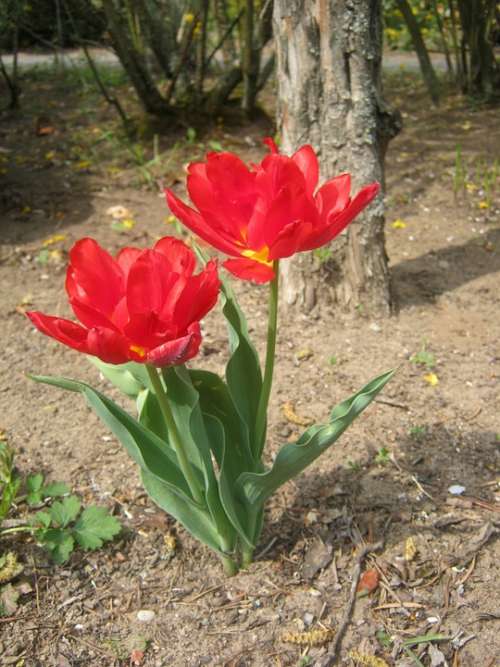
58 542
195 519
34 482
33 487
294 458
129 378
224 425
55 489
144 447
63 513
41 519
184 402
243 372
150 414
94 527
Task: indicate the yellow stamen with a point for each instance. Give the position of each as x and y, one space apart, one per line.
141 351
261 255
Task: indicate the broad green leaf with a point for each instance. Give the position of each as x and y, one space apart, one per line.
184 402
58 542
228 436
41 519
294 458
150 416
144 447
129 378
34 489
196 520
235 509
64 512
34 482
216 400
55 489
243 372
94 527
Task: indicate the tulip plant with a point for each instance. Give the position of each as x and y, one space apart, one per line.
198 438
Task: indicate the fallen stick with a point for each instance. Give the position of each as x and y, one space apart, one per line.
331 658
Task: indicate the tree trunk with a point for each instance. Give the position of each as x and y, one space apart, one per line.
428 73
329 61
482 71
133 62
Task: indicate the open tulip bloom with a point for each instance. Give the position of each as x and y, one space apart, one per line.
199 439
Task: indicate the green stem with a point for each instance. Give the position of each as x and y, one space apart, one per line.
229 565
16 529
270 354
175 436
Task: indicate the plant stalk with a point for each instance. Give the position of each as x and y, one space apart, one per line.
185 465
270 355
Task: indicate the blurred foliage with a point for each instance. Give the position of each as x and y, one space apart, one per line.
396 31
38 20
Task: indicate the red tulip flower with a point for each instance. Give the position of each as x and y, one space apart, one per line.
268 211
143 305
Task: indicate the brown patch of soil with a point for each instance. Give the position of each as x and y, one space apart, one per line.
387 478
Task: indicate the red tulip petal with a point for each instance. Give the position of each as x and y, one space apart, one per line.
126 257
271 144
290 205
333 196
181 258
91 268
65 331
194 221
149 283
337 223
177 351
232 193
306 160
248 269
199 295
291 239
89 316
109 346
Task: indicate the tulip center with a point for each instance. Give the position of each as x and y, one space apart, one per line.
261 255
138 349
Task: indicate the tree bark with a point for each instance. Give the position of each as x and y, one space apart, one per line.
328 69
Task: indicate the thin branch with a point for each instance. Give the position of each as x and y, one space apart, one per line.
230 29
331 658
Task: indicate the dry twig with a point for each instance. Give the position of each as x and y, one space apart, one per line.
331 658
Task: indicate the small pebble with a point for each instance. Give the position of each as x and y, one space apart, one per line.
145 615
456 489
308 618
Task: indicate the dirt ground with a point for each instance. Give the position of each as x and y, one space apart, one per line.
436 425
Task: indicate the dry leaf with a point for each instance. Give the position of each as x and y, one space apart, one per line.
398 224
432 379
311 637
56 238
302 355
293 417
44 130
410 549
118 212
365 660
369 582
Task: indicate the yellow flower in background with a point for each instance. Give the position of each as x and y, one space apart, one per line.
189 18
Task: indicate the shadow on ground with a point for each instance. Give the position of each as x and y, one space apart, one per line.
422 279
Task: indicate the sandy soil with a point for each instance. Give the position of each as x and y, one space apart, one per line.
387 479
